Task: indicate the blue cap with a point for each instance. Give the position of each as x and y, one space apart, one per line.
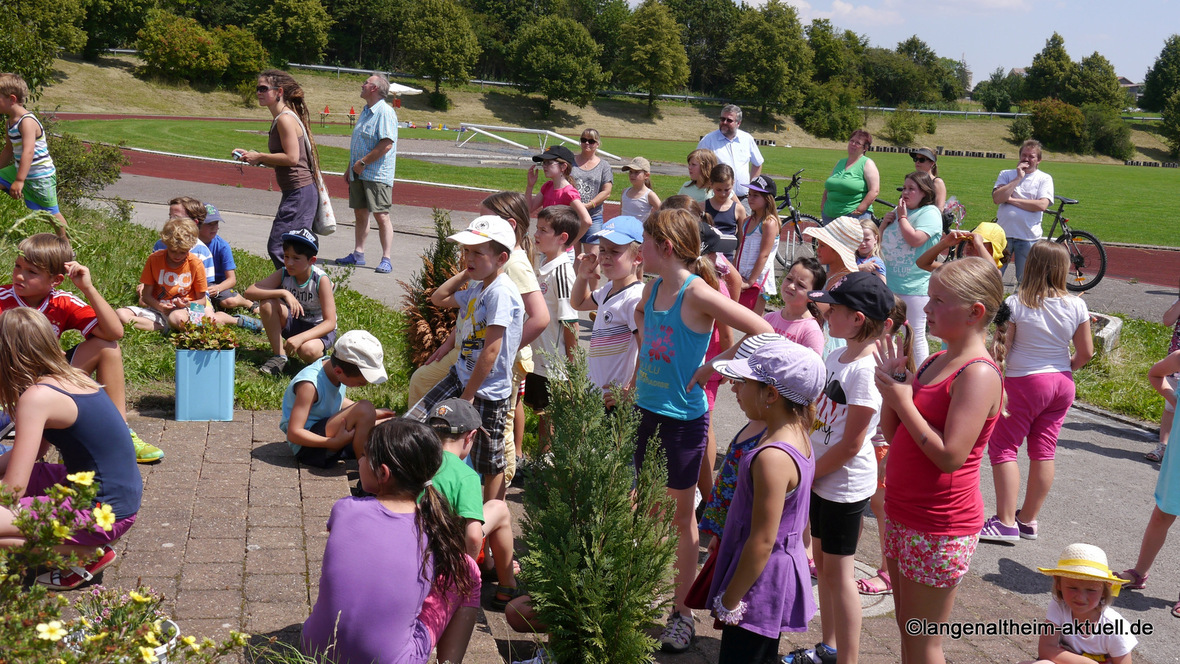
212 214
303 236
620 230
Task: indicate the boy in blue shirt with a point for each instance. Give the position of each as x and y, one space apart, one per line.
491 316
323 426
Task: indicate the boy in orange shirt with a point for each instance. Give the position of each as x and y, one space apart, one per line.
172 278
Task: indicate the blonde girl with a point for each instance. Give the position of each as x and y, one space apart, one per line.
700 164
868 254
938 422
676 314
723 207
1086 628
1038 377
757 244
55 404
639 200
292 154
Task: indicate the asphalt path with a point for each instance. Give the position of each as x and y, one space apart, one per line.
1103 490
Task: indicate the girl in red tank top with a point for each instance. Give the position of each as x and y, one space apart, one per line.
938 423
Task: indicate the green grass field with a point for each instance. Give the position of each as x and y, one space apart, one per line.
1118 203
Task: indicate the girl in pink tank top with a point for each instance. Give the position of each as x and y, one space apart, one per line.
938 423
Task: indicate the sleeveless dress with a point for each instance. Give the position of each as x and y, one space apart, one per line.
748 255
780 600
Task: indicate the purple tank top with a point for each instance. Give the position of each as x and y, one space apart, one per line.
780 600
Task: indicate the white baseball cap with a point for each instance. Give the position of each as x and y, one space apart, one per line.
364 350
486 228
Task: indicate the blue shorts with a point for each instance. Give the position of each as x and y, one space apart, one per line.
595 226
298 326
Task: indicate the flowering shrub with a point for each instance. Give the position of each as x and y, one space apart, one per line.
112 626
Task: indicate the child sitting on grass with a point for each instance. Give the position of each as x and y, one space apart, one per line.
488 524
557 230
172 278
225 275
297 307
322 426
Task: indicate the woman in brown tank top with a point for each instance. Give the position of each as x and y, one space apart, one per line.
289 156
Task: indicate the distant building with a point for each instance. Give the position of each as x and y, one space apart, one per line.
1019 71
1131 86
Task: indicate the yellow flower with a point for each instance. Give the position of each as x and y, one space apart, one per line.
139 598
104 517
51 631
191 641
96 637
151 639
59 531
148 655
84 478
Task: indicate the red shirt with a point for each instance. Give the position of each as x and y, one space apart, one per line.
917 493
64 310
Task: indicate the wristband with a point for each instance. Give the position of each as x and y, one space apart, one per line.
727 616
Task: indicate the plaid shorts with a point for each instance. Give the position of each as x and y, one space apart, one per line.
487 455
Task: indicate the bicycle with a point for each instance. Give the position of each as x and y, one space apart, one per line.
1087 257
792 244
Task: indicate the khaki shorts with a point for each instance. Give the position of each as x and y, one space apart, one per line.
372 196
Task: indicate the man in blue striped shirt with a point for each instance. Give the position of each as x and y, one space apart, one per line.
372 160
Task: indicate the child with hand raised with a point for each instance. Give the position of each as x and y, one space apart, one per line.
557 162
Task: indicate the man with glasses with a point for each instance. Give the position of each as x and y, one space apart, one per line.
372 158
735 148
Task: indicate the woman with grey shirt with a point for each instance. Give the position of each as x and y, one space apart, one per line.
594 180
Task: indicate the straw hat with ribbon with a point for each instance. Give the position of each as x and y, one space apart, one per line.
843 235
1087 563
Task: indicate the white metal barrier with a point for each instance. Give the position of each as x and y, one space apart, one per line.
543 136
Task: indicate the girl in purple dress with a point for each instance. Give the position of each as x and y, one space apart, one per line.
761 586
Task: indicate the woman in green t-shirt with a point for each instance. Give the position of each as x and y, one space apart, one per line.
854 183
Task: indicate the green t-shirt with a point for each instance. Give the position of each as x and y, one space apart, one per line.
459 484
846 188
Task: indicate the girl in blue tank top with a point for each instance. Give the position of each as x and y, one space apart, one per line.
53 401
676 314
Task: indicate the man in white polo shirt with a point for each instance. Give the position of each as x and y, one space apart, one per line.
1023 194
735 148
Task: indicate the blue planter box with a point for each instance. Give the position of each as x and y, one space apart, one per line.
205 385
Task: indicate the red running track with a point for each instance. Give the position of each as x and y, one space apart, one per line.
1154 266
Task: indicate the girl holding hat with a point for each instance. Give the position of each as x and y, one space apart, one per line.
1087 629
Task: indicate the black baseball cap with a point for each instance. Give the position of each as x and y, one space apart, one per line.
556 152
764 184
714 242
303 236
859 291
455 415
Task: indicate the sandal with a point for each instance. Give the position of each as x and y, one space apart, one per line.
1132 580
490 574
504 595
1156 455
69 579
811 568
1176 609
865 587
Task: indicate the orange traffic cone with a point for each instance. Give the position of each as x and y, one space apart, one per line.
326 111
351 110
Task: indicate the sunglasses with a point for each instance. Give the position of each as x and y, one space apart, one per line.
920 160
588 141
266 88
726 120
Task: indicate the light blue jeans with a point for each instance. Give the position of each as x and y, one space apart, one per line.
1020 249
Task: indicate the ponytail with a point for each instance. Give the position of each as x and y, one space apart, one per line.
703 268
445 537
294 99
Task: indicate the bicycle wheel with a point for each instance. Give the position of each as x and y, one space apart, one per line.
791 245
1087 260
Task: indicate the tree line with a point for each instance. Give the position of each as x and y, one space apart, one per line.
569 50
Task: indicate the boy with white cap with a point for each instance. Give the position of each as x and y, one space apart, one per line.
323 426
491 317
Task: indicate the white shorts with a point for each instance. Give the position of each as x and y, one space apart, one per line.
151 314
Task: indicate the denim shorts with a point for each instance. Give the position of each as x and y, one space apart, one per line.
595 226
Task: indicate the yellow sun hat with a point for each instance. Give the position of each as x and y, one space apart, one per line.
1087 563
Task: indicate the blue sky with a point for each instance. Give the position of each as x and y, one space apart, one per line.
1007 33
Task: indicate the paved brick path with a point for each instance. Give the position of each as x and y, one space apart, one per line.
232 533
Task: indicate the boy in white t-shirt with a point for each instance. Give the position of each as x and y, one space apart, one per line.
846 418
614 341
557 230
491 318
1023 194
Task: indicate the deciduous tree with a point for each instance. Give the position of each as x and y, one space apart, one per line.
1051 73
770 59
437 42
294 30
1096 83
707 27
24 52
1163 79
556 57
651 56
